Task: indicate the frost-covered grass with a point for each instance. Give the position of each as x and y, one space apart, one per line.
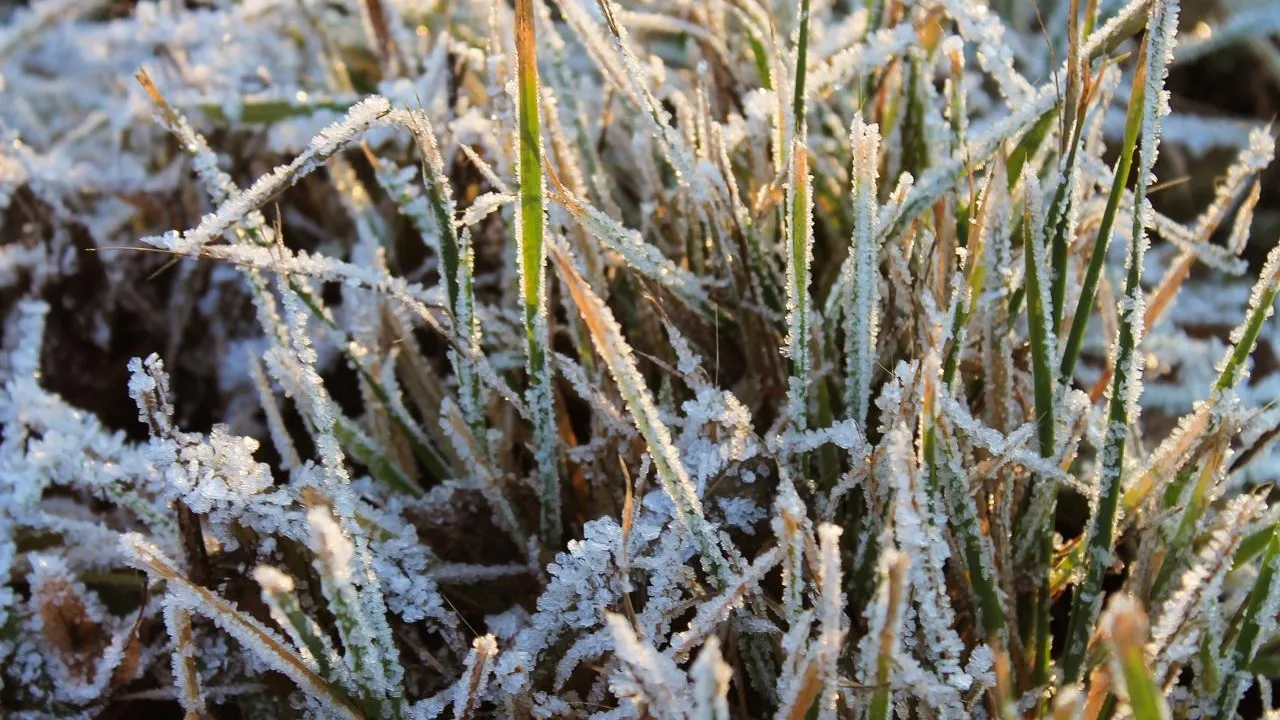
702 360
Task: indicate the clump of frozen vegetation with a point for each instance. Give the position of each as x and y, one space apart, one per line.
673 360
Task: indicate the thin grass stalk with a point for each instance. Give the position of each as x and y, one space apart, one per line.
350 436
1089 286
1074 109
639 256
356 356
975 275
1088 598
529 240
457 258
365 451
978 552
1060 221
1245 337
1038 321
475 677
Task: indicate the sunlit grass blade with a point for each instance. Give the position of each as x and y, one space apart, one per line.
530 224
799 262
1245 337
639 256
1211 470
1194 428
609 343
476 669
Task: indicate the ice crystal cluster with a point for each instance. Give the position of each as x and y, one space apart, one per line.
653 359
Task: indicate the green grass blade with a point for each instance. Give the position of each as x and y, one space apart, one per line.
1038 327
1027 147
1245 337
421 446
529 241
1039 510
1211 471
978 552
1252 546
1093 273
802 59
1126 380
